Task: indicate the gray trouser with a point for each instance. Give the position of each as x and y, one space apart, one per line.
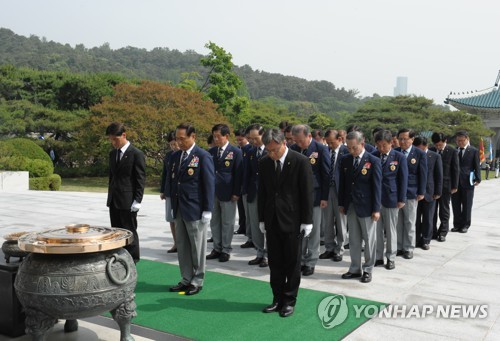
387 223
335 224
314 239
361 229
248 231
222 224
253 225
191 240
407 217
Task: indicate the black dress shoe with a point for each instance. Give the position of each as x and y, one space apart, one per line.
224 257
193 290
455 229
248 244
337 258
286 311
441 239
256 261
308 271
214 254
346 247
172 250
273 307
463 230
321 243
425 247
366 278
210 240
390 265
179 287
379 262
264 263
408 255
400 253
350 275
240 231
302 268
326 255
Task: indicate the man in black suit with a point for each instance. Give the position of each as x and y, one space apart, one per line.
449 156
285 203
245 146
127 177
427 206
470 176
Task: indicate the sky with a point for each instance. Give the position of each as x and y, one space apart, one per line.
440 45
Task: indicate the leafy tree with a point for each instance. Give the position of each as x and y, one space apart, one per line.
222 83
149 110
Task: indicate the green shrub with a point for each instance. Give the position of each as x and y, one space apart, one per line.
46 183
6 149
13 163
28 149
39 168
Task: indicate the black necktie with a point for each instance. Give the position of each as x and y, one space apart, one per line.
278 169
304 152
219 153
118 156
332 168
460 154
259 153
183 157
440 152
384 159
356 162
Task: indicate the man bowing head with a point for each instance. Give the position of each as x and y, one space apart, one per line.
285 204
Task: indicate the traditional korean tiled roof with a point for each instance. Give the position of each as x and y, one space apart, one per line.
488 100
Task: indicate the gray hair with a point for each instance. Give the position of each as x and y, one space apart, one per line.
273 134
301 128
355 135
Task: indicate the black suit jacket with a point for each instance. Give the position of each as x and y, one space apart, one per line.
290 198
468 164
449 158
127 179
434 176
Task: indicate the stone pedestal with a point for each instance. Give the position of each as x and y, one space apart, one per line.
14 181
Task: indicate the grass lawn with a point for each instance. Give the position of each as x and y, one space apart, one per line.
99 184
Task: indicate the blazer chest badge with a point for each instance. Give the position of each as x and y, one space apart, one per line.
194 162
413 161
366 166
190 171
393 165
313 157
227 163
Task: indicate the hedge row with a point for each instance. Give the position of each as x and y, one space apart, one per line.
46 183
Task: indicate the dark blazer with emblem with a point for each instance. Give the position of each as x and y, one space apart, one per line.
394 179
127 179
417 172
251 177
434 176
192 184
469 163
360 188
319 159
165 185
451 169
228 172
342 151
290 198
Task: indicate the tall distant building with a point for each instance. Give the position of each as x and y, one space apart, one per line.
401 88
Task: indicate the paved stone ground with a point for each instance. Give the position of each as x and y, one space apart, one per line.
463 270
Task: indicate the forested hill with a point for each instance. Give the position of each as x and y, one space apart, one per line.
161 64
